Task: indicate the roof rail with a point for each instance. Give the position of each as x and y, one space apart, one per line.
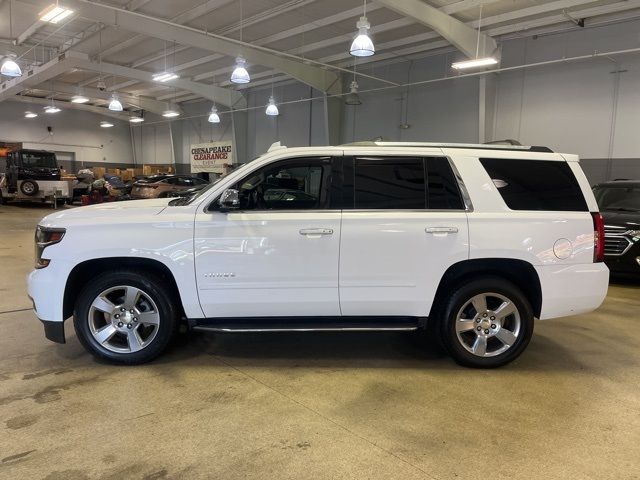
484 146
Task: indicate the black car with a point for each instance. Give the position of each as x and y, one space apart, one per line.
30 166
619 203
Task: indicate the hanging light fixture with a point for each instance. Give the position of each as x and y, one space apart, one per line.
79 97
213 115
362 45
171 111
9 67
272 108
240 74
51 108
105 124
29 114
167 75
114 104
55 13
476 62
352 97
137 118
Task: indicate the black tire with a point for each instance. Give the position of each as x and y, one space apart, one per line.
460 298
153 286
29 188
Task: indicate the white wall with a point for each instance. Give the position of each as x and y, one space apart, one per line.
74 131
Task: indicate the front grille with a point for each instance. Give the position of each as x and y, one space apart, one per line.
614 230
615 245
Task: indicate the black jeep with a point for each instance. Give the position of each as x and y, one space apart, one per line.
26 167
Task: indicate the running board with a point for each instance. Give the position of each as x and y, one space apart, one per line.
313 324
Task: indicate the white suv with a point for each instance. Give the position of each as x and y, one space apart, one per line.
470 243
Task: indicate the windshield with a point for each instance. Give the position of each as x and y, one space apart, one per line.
623 199
199 193
38 159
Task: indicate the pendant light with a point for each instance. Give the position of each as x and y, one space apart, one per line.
9 66
29 114
213 115
362 45
105 124
51 108
272 108
137 117
352 97
240 74
79 97
476 62
114 104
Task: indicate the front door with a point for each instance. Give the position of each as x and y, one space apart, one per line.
277 255
407 225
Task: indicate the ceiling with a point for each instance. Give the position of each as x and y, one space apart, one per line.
316 30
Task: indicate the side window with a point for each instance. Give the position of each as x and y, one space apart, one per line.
536 184
296 184
389 183
442 187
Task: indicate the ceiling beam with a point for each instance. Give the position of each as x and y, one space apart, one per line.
223 96
464 38
139 103
70 106
319 78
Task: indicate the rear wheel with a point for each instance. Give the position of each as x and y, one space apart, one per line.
126 318
487 323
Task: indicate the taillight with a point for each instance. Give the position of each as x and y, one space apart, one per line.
598 237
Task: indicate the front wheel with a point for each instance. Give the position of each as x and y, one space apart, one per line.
488 323
125 317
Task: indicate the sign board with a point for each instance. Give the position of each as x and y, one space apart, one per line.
211 157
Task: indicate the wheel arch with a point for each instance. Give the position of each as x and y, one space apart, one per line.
519 272
84 271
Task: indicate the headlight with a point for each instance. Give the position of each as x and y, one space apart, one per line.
45 237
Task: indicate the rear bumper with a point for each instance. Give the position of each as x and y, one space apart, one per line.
572 289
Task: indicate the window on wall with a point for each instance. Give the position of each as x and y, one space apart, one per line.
299 184
536 184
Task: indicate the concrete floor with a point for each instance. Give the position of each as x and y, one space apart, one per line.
315 405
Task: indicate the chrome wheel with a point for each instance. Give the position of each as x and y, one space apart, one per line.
123 319
488 324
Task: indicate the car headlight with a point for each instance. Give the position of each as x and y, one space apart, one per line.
44 237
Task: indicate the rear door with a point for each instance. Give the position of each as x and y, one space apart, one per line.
404 223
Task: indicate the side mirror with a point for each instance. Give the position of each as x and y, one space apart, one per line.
229 200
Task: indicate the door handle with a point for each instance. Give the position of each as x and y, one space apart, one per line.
314 232
444 230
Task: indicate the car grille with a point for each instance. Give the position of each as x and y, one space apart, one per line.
615 243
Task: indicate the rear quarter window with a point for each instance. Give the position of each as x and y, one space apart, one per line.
536 184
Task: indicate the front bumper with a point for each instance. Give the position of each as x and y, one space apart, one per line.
54 331
46 287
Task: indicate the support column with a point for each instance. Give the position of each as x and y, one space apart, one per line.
333 114
240 125
486 107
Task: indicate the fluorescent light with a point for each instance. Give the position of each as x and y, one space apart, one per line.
476 62
55 13
170 113
79 99
105 124
10 68
115 104
240 74
30 114
213 116
51 109
164 76
272 108
362 45
136 119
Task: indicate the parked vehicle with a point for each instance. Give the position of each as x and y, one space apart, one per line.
160 186
470 243
619 202
33 175
188 192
